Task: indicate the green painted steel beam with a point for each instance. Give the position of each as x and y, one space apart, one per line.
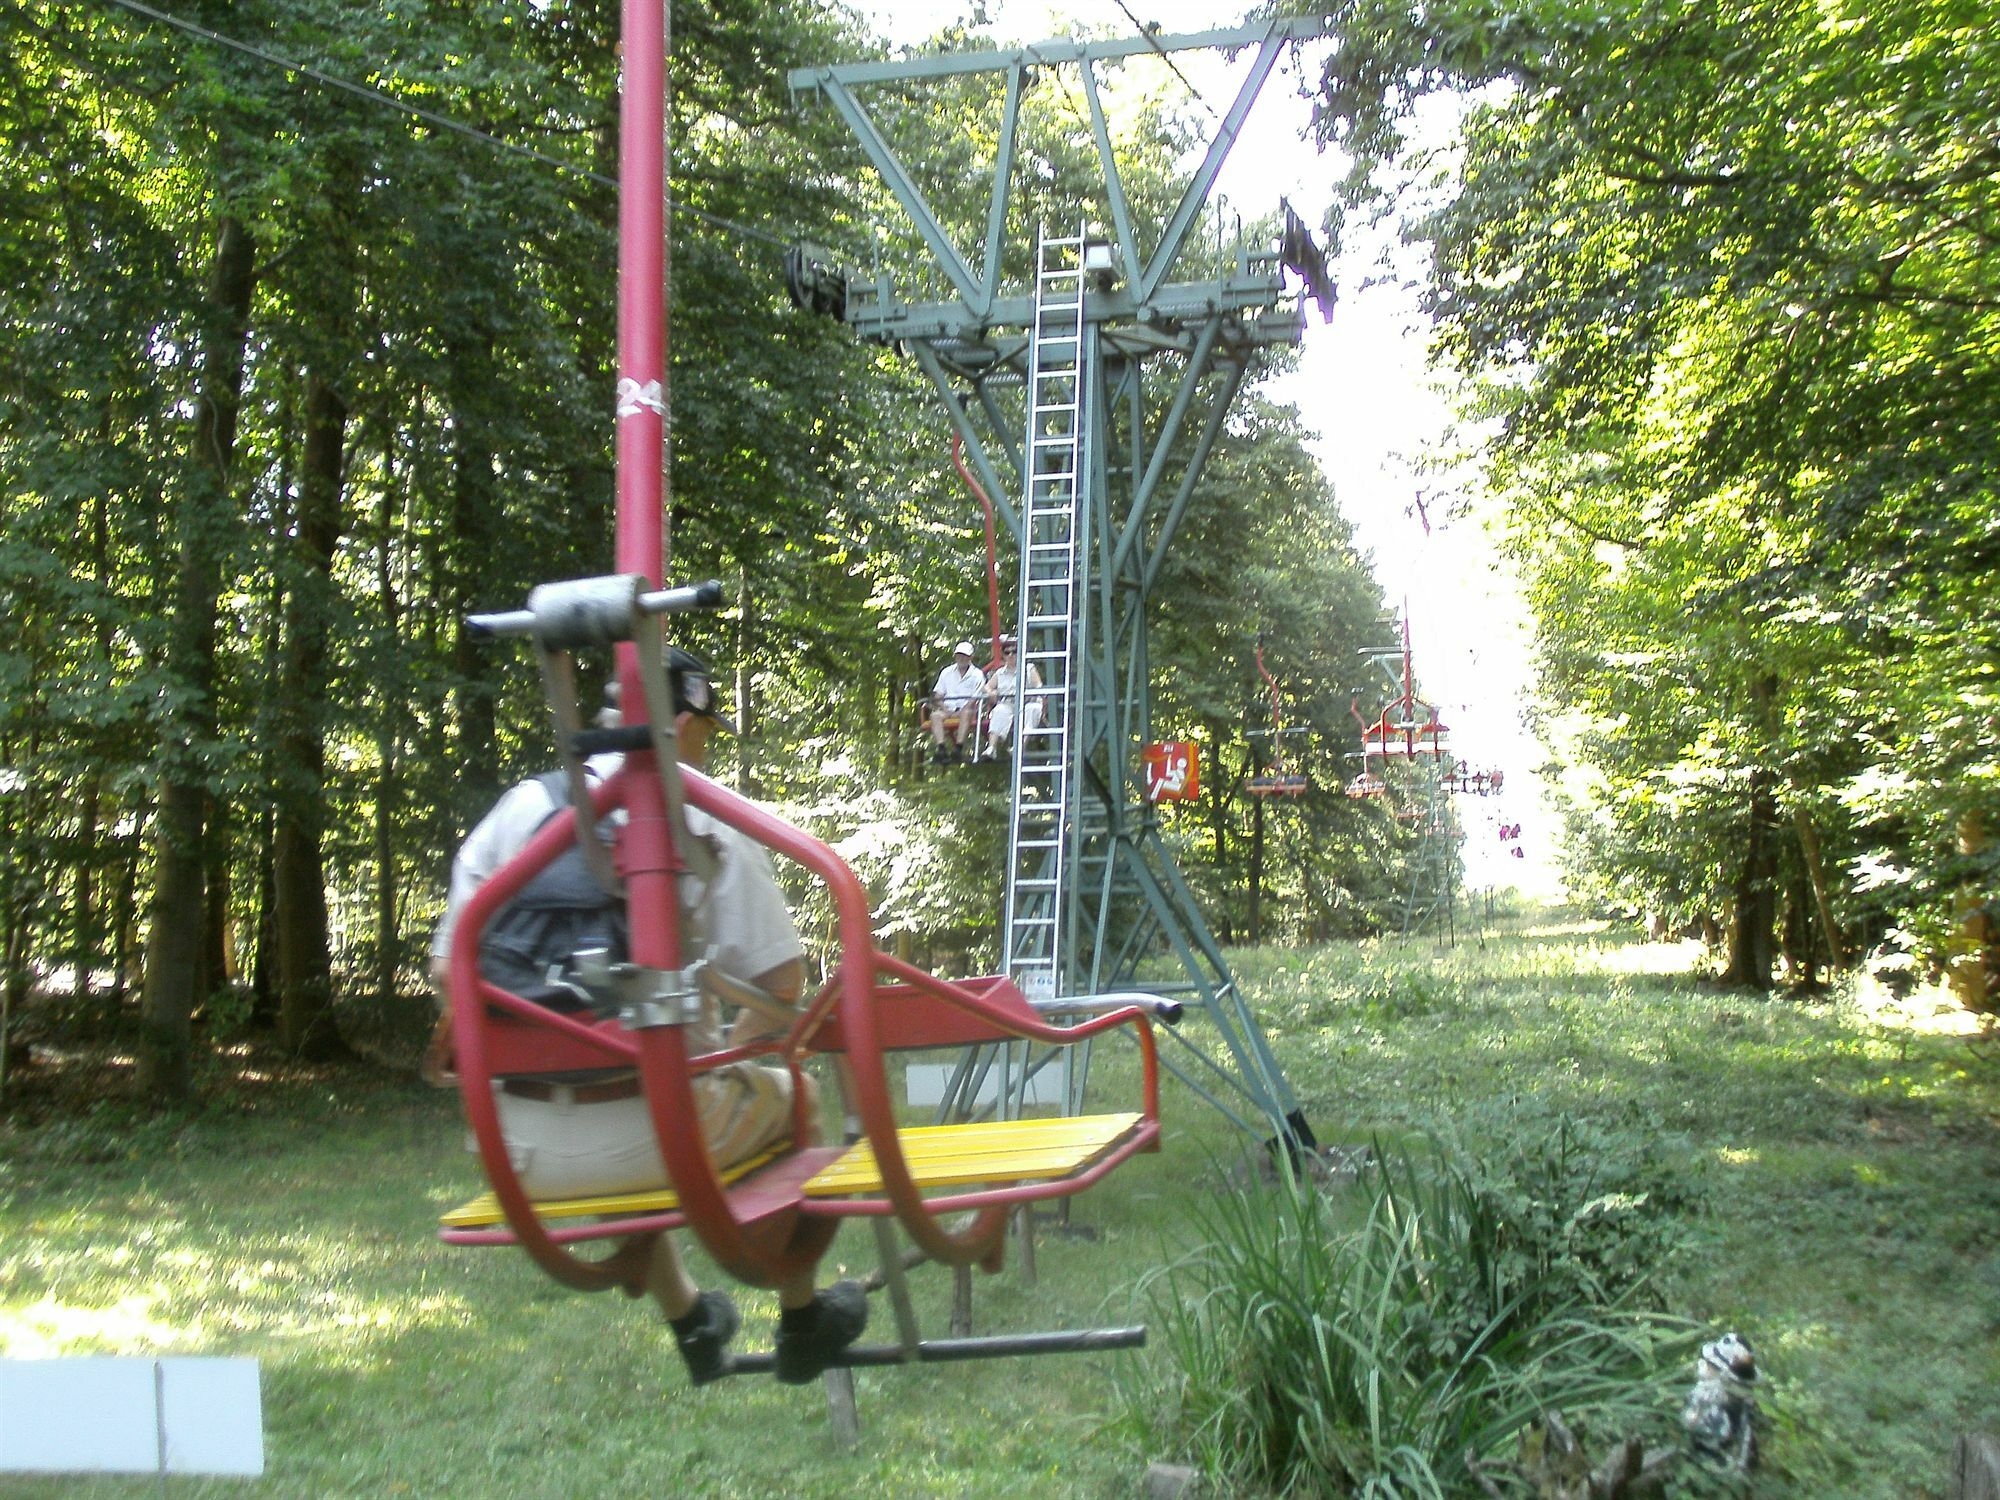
997 489
1191 377
1167 310
1210 431
996 208
908 194
1050 53
1114 185
1195 195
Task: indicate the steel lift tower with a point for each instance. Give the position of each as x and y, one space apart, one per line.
1088 400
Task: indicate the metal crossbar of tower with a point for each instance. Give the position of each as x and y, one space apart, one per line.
1113 422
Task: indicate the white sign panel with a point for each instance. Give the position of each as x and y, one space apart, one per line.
184 1415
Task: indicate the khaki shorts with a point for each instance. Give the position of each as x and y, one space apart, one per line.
563 1149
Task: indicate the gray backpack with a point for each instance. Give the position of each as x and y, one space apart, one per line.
557 915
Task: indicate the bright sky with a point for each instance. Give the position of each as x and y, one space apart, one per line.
1363 388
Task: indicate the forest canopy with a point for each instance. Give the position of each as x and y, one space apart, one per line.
308 321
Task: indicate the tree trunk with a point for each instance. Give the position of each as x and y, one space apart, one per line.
305 969
472 506
87 913
388 748
218 960
201 521
264 983
1801 936
1218 823
1816 873
123 939
745 782
1256 871
1976 955
1753 914
264 967
83 904
13 923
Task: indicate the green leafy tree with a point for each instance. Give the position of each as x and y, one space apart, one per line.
1724 282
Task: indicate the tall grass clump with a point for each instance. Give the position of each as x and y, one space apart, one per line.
1362 1342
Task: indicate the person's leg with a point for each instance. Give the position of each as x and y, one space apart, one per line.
668 1281
999 726
703 1323
745 1109
796 1291
814 1327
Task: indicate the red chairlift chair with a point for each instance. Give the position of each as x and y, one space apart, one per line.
1279 779
776 1217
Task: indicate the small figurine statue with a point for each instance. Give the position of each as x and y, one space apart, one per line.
1721 1411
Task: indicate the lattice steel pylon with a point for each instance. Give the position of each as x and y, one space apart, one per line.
1433 893
1149 354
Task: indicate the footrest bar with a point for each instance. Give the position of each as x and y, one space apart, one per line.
949 1351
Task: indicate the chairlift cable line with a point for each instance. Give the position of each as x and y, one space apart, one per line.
1146 34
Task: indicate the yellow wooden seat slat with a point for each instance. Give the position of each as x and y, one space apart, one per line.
485 1209
993 1151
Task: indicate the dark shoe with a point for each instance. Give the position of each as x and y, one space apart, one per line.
939 756
703 1334
811 1338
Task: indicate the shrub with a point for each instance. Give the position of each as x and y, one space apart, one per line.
1364 1347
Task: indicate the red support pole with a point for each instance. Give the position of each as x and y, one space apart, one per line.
642 295
647 848
992 547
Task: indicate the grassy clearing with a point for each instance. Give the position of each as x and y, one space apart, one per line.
1842 1200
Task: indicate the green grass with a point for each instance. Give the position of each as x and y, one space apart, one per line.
1847 1220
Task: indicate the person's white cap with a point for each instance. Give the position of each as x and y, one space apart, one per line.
963 648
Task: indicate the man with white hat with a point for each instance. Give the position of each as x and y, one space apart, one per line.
955 703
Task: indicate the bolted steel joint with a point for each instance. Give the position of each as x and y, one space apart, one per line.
659 997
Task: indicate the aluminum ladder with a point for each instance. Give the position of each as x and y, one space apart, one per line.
1041 826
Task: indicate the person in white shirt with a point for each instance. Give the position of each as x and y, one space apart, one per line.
1000 690
955 701
574 1135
